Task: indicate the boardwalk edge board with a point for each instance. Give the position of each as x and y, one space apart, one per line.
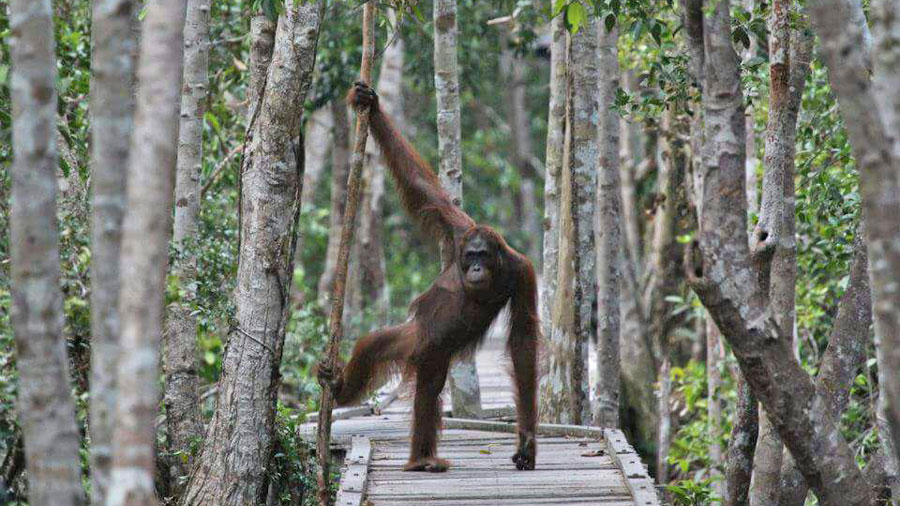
543 429
382 400
639 482
354 474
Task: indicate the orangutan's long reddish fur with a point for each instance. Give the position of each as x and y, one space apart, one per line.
451 317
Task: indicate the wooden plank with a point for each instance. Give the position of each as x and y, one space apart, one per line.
636 477
354 478
544 429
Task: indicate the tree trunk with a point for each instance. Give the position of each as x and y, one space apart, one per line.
232 469
663 274
881 199
514 69
583 164
739 462
846 353
869 110
145 242
340 168
556 125
372 264
317 142
790 53
558 397
465 391
725 281
182 395
112 107
713 407
608 236
45 406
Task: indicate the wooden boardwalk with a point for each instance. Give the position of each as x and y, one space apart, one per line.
575 465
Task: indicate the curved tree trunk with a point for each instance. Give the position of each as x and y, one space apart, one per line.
726 282
465 392
45 406
182 394
232 469
112 107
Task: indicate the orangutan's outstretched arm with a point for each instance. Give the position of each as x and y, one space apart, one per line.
420 190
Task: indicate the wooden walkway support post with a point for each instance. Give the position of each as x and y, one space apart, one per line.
326 401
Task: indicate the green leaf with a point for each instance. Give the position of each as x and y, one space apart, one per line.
576 15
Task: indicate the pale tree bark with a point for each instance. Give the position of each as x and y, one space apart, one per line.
340 168
726 282
558 397
608 235
317 142
881 199
514 69
262 41
45 407
465 391
790 53
181 393
556 125
145 240
372 263
232 469
870 112
112 107
583 164
639 403
714 357
741 446
845 355
663 272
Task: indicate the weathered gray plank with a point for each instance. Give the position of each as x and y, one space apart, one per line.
642 487
354 478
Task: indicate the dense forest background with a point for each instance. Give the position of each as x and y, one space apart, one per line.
681 389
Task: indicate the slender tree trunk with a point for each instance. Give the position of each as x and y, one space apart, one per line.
583 164
145 241
662 272
558 397
182 395
847 349
739 462
465 392
514 69
340 168
790 53
317 142
372 264
262 41
714 357
881 199
638 401
45 406
725 281
112 107
233 467
556 125
608 236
